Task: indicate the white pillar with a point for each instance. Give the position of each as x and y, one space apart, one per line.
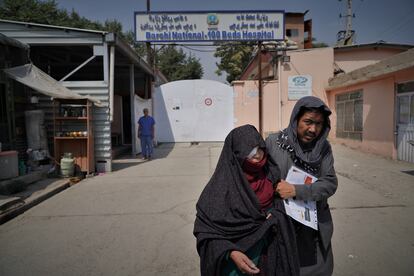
111 82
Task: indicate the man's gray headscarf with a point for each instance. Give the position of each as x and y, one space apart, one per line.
308 160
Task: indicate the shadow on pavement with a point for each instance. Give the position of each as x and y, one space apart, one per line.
409 172
163 150
126 161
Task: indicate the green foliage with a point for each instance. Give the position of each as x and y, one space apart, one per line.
47 12
44 12
318 44
193 69
175 64
140 48
113 26
233 59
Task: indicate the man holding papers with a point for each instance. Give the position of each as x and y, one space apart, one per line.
304 157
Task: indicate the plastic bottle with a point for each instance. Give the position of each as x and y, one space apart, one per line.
22 168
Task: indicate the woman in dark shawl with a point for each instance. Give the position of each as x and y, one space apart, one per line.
240 227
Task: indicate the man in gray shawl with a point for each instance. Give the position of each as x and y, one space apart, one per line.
304 144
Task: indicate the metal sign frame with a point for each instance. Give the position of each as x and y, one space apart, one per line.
209 36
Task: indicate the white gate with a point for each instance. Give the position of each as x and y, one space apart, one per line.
405 126
193 110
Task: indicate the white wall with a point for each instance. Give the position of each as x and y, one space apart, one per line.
193 110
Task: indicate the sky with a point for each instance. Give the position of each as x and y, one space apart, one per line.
388 20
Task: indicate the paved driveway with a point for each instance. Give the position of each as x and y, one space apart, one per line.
138 220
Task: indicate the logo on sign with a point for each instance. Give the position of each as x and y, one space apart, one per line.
300 81
208 101
212 19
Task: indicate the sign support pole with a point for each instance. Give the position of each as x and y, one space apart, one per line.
260 89
149 59
279 88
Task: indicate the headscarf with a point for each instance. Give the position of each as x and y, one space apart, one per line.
228 212
308 160
261 185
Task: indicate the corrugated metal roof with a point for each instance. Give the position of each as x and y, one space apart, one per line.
389 65
374 45
53 26
5 40
42 34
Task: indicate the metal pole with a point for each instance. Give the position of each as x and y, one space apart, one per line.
260 89
149 58
349 18
148 44
279 81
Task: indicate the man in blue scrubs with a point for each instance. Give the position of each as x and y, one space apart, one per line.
146 134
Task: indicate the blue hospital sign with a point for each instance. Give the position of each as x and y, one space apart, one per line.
209 26
212 19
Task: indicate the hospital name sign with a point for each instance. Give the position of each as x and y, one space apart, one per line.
209 26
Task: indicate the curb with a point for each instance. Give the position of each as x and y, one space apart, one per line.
14 212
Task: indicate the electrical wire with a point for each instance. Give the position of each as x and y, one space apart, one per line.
359 6
189 46
199 45
198 50
406 18
297 71
398 30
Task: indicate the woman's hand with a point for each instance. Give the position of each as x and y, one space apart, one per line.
285 189
243 263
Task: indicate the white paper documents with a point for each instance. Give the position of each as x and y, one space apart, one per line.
301 210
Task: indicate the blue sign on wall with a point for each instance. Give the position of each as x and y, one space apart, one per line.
209 26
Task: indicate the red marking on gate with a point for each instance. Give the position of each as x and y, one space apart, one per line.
208 101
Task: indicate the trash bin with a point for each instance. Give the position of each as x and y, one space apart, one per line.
9 166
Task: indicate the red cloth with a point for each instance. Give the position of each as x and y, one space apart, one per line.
262 187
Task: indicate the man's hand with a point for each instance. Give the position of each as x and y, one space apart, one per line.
285 189
243 263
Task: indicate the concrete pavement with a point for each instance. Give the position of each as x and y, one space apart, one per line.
134 221
138 220
373 215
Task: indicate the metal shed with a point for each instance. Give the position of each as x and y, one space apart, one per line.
91 63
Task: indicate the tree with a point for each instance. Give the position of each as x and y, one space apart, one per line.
233 58
139 47
175 64
193 70
318 44
44 12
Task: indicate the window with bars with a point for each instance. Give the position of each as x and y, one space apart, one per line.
349 107
405 103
